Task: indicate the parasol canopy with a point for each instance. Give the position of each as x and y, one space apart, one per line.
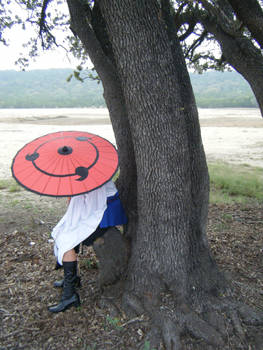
65 163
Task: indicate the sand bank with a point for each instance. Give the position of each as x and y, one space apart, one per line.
230 135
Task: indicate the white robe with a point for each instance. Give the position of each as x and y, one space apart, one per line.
83 215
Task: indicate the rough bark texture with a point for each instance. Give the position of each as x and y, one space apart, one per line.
97 47
250 14
169 245
112 250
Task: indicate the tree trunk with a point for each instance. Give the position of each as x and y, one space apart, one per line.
95 46
164 174
169 248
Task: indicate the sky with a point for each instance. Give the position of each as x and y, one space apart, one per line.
17 37
48 59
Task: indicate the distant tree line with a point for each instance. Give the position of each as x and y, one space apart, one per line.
50 89
220 90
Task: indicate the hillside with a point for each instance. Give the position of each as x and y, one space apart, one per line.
218 90
49 88
46 89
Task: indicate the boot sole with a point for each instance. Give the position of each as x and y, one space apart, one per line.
53 309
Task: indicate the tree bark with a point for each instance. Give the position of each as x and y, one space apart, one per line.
113 95
250 14
169 248
170 273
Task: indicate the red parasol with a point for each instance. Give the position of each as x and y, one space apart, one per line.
65 163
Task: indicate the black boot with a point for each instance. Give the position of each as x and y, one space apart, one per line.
60 283
69 296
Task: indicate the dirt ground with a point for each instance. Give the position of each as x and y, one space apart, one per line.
27 274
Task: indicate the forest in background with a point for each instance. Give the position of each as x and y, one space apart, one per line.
50 89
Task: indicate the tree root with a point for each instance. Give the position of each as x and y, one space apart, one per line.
112 251
221 323
207 322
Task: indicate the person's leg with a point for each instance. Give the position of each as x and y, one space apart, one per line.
69 296
70 255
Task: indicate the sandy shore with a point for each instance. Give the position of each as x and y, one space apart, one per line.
230 135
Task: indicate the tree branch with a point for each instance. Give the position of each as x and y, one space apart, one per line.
196 43
81 28
43 28
229 26
115 101
251 14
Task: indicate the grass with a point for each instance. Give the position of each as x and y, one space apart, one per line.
229 184
114 323
235 183
4 184
10 184
147 346
90 263
14 188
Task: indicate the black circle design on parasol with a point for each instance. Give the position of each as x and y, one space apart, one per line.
65 150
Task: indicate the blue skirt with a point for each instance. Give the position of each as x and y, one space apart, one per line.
114 215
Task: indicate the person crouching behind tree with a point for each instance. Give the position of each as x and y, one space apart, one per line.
87 218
